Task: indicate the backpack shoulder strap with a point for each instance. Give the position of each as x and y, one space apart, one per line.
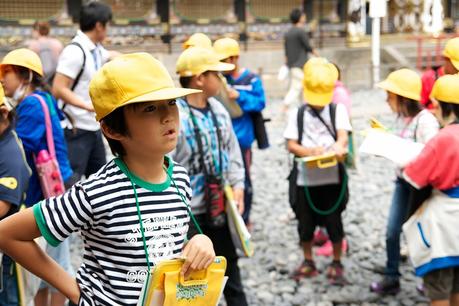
300 122
77 79
333 116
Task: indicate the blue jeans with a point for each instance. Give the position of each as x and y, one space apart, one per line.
397 216
9 295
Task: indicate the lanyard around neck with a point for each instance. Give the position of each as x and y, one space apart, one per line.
198 133
139 215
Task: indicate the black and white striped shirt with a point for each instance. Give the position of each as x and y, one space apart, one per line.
103 209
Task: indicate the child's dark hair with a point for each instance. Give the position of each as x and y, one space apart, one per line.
295 15
186 81
92 13
37 82
116 122
449 108
408 107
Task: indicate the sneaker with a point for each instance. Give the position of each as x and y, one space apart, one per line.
327 248
306 270
320 238
335 274
387 285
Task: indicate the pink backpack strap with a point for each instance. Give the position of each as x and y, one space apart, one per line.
49 127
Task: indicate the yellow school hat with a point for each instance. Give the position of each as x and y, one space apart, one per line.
132 78
198 40
446 89
226 47
451 51
320 77
25 58
403 82
196 60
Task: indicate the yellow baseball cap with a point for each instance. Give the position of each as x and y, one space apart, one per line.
446 89
320 77
196 60
226 47
451 51
132 78
403 82
25 58
198 40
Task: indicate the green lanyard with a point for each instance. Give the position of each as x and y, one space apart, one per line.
142 230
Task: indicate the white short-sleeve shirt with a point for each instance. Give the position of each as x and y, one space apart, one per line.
316 134
70 63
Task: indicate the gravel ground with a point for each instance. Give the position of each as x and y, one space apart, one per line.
266 274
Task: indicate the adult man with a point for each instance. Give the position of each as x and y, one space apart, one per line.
78 62
297 50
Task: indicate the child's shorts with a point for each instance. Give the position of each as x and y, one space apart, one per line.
442 283
323 197
61 254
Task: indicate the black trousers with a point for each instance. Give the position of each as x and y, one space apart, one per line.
86 151
223 245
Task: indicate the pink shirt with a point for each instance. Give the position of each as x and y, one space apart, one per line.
342 96
438 163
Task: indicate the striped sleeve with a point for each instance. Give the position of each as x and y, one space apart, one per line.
60 216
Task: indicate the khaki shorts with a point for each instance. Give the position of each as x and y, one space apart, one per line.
441 284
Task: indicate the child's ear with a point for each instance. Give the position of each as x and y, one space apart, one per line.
3 113
109 133
200 80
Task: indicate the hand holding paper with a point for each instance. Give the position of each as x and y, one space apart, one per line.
400 151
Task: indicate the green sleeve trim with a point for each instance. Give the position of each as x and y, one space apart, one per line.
44 230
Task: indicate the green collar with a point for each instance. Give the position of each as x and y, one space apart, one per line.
149 186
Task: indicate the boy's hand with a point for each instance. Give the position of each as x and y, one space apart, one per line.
317 151
198 253
233 94
339 149
238 195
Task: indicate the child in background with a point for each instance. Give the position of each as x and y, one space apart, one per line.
198 40
250 96
450 66
207 147
133 212
22 78
14 179
416 124
325 128
435 223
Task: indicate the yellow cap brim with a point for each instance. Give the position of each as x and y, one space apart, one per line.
389 86
157 95
221 67
455 63
216 67
316 99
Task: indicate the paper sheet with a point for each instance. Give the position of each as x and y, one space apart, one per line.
396 149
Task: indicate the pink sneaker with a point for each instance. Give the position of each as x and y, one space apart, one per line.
320 237
327 248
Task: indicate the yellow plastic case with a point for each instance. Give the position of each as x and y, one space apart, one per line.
201 288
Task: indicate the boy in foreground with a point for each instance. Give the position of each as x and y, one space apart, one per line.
132 213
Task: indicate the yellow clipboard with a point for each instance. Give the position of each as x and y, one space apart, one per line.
323 161
202 288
